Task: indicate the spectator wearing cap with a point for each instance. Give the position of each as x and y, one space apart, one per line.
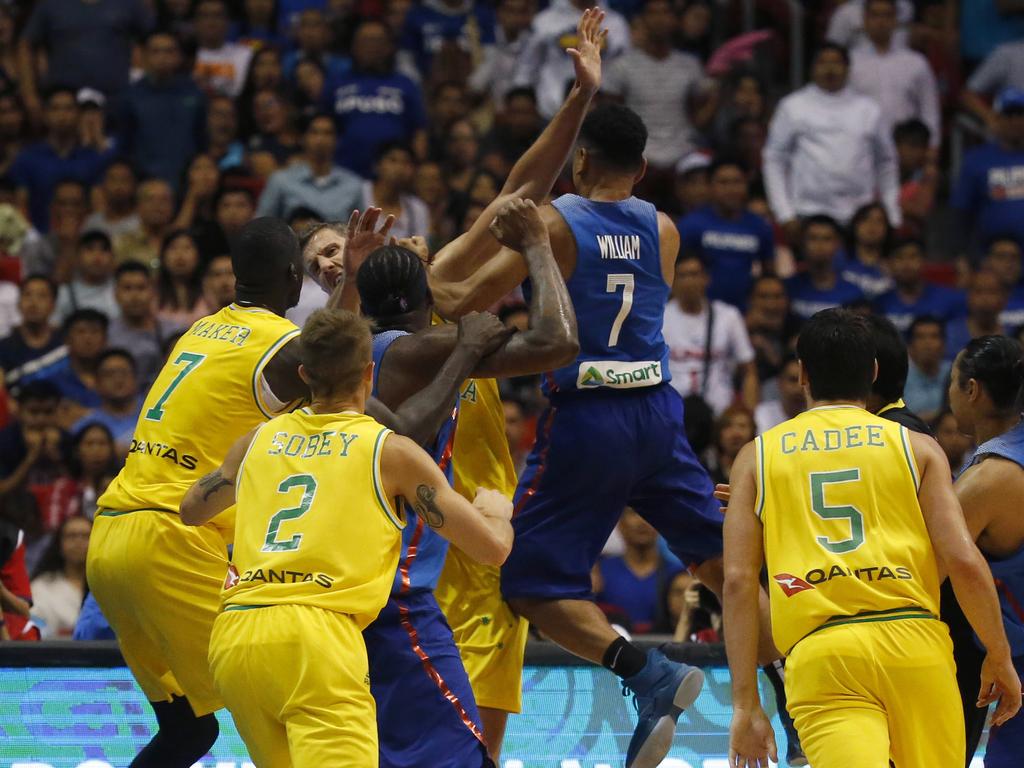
546 67
662 85
391 191
34 342
163 118
913 296
138 329
220 66
1002 69
493 75
117 385
314 182
820 286
117 213
1003 259
93 284
730 239
85 44
829 150
846 26
989 194
375 103
692 189
899 79
40 166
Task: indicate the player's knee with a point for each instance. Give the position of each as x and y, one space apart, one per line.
525 607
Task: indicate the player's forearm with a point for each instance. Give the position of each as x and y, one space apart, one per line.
207 498
345 295
741 621
420 417
488 540
975 591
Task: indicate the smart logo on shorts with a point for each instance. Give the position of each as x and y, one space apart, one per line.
619 374
790 584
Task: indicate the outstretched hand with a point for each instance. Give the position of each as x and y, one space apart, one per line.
363 237
586 56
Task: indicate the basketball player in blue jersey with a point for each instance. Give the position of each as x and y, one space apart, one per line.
613 434
985 395
425 706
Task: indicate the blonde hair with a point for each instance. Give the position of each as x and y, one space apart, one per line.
334 347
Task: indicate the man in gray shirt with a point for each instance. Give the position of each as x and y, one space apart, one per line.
1003 68
659 84
315 182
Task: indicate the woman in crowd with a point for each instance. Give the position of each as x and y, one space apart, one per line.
869 239
690 612
733 429
58 583
265 74
179 281
94 463
202 179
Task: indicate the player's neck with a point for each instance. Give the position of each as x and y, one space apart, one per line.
608 190
985 428
812 404
349 403
249 302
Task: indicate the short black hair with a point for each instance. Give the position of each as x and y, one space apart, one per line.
231 189
836 47
923 320
124 354
59 88
131 268
86 315
38 277
95 237
997 364
821 220
1002 237
392 282
394 146
263 251
891 355
520 92
906 242
307 122
616 136
726 161
38 391
891 3
912 131
837 350
302 213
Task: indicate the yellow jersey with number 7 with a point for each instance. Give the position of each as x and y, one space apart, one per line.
844 536
209 393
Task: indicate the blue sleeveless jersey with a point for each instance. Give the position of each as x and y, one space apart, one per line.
1009 571
423 550
619 295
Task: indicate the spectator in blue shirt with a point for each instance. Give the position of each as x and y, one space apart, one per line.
989 193
914 296
313 38
820 286
35 343
1003 259
164 119
928 373
315 182
117 386
986 302
74 376
870 235
39 167
729 238
468 25
374 104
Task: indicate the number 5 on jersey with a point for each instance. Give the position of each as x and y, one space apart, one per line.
191 361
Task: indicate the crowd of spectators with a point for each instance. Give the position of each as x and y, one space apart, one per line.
138 136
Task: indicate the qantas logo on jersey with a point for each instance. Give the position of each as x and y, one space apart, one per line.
270 576
790 584
618 374
164 451
619 246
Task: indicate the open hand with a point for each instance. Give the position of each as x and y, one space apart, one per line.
363 238
586 56
751 740
518 225
1000 683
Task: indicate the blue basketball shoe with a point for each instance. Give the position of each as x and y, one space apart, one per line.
661 691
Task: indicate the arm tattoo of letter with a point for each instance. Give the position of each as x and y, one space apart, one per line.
426 506
212 483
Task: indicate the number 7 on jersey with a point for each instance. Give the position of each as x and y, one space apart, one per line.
627 284
191 361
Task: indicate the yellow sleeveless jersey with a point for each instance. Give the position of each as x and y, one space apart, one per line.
207 395
843 529
313 526
480 456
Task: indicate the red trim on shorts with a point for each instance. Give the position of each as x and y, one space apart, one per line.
1005 591
545 434
414 638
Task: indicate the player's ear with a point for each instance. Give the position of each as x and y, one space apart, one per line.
641 173
805 382
874 376
303 374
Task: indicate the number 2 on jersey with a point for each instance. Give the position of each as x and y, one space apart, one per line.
614 283
844 512
192 361
308 485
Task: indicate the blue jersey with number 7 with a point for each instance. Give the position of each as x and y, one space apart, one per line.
619 295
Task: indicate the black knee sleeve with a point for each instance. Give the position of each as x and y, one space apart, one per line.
182 738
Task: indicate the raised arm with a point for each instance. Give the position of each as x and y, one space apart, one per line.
482 529
751 737
969 574
215 492
535 172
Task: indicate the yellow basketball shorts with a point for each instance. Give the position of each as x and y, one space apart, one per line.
158 582
296 680
874 690
491 638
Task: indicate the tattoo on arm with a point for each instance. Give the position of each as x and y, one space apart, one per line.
426 506
212 483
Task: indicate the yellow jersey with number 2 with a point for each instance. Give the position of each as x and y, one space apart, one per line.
209 393
844 536
313 525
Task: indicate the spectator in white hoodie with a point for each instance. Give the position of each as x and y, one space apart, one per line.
829 150
544 64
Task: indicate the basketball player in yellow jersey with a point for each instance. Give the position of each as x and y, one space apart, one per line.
318 534
490 636
853 514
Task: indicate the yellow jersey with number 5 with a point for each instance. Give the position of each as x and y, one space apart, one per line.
313 523
844 536
209 393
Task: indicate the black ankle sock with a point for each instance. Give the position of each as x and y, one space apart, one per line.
623 658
